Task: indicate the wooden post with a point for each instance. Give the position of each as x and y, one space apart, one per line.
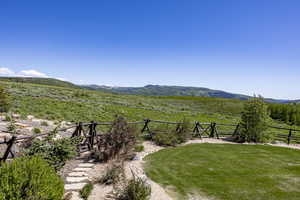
212 130
10 143
196 130
146 127
91 135
289 137
235 133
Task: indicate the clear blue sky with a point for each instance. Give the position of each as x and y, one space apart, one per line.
250 46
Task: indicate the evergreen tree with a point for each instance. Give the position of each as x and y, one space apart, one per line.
4 100
254 121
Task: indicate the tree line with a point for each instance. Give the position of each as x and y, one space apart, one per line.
288 113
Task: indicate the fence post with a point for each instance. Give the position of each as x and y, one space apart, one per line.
289 136
212 129
91 135
196 130
236 130
10 143
146 127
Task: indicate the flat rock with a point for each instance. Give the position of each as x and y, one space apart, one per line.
77 179
78 174
80 169
74 186
85 165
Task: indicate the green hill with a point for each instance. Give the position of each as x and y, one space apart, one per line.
42 81
158 90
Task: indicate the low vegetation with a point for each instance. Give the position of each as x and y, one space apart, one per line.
55 152
86 191
29 178
4 100
111 175
166 135
134 189
228 171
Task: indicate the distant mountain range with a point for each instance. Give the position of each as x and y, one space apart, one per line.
160 90
148 90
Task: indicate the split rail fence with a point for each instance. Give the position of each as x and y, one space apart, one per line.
89 133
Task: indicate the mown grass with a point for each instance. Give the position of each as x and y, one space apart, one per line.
228 172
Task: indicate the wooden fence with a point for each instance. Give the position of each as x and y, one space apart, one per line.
199 130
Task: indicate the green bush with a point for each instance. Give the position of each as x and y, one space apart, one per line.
29 178
254 121
12 127
36 130
139 148
4 100
166 136
165 139
55 152
86 191
135 189
44 123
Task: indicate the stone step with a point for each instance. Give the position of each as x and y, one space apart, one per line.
76 179
81 169
86 165
78 174
74 186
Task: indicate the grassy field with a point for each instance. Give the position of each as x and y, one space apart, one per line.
73 104
228 172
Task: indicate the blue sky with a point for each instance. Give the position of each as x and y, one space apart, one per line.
239 46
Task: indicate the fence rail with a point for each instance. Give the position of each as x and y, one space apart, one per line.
89 132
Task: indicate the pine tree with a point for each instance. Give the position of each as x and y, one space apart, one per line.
254 121
4 100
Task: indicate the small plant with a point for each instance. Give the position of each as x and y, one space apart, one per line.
111 176
4 100
36 131
8 118
139 148
55 152
86 191
135 189
165 139
12 127
44 123
29 178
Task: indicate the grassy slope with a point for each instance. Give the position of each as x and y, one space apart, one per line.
71 104
228 172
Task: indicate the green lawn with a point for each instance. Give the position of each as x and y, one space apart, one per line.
228 171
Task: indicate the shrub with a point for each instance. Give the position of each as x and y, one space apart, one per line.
4 100
36 130
119 141
135 189
254 121
8 118
165 139
139 148
12 127
44 123
86 191
171 136
29 178
56 153
111 176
